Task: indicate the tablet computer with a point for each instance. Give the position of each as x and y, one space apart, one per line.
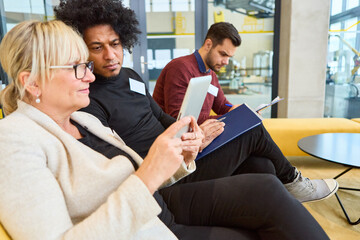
194 99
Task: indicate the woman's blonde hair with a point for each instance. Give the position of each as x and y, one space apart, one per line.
34 46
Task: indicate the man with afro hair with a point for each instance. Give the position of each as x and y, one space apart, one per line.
217 201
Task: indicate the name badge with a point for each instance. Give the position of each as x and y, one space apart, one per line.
137 86
213 90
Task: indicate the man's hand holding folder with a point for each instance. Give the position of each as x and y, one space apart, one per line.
237 122
211 129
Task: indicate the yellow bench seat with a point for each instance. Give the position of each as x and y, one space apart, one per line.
286 132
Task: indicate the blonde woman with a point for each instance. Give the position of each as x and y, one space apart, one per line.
51 184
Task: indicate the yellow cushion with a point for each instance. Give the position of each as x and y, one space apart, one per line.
286 132
3 234
356 120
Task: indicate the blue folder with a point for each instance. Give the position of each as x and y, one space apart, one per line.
237 122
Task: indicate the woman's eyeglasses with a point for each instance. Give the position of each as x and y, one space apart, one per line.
80 69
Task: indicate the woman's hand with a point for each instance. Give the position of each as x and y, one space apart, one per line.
192 142
211 129
164 157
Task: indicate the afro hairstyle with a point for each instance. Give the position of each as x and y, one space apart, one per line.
83 14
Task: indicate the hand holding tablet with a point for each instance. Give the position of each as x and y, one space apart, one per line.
194 99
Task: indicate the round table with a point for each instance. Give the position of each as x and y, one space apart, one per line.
341 148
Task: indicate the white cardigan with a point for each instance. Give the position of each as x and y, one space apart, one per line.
54 187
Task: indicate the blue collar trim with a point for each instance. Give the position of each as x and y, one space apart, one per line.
200 62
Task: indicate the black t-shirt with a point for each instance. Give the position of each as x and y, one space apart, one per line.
101 146
136 118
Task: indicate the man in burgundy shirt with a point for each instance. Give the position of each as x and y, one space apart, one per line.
220 44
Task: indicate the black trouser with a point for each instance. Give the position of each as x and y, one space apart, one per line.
220 201
231 158
188 232
245 206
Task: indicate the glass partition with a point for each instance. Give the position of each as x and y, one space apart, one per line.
170 30
342 98
170 33
248 77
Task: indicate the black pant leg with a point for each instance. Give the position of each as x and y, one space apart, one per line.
228 159
186 232
255 164
212 233
268 148
165 216
256 202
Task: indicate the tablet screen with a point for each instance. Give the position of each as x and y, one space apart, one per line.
194 99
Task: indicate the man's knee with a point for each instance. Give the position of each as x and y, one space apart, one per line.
274 192
257 165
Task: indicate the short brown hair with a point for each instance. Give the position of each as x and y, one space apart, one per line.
222 30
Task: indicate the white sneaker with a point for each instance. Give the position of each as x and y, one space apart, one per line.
306 190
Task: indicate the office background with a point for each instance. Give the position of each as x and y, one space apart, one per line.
305 51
